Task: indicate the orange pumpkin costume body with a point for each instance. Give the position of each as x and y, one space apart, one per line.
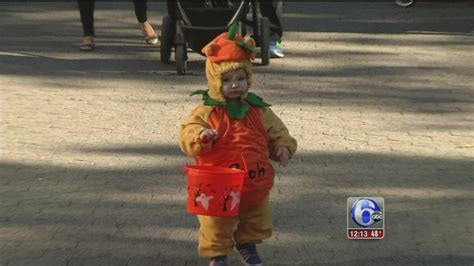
257 136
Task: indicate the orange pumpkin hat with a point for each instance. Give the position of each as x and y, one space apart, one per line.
225 53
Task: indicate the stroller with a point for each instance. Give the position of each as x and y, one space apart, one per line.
193 24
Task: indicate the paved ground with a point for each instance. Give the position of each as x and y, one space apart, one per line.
380 99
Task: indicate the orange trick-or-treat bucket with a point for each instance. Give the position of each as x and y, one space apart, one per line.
214 190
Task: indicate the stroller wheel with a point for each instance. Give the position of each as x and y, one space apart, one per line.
181 59
166 40
264 40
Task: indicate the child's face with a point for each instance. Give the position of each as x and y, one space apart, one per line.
234 84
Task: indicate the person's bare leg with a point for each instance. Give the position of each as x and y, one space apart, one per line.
86 10
148 32
146 29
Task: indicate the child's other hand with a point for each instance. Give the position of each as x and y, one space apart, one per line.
208 135
283 155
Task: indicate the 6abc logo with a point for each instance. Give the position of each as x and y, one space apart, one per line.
365 212
365 217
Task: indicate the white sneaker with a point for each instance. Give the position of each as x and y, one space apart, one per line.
275 49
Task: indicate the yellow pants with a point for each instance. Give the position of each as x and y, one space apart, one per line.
217 234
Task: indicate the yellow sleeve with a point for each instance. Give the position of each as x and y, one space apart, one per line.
279 134
190 130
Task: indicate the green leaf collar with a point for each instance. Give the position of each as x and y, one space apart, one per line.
235 109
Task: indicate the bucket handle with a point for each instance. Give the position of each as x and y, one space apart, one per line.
195 161
185 165
244 162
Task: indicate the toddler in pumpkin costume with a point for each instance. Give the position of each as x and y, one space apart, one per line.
230 122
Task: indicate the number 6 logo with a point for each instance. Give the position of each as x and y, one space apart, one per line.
362 211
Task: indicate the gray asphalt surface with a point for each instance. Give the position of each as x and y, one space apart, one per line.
380 99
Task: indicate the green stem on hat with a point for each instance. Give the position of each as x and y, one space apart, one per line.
232 31
244 46
231 36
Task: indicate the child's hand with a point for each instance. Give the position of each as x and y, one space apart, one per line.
208 135
283 155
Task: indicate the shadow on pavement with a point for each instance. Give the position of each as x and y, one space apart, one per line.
379 17
97 213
